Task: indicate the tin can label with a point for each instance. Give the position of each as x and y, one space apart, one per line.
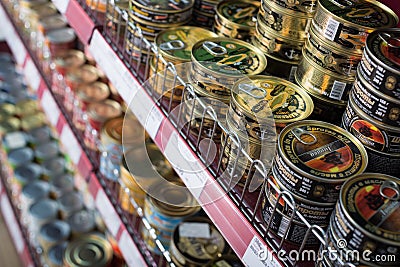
239 12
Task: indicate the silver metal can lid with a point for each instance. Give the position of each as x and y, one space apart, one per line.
81 222
55 166
44 209
35 190
55 231
14 140
70 202
47 150
55 254
20 156
62 35
39 135
27 173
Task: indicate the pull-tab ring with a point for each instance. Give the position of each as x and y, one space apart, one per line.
390 185
250 89
298 133
214 49
172 45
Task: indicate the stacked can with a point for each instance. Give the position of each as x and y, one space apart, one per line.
334 49
236 19
261 106
312 162
364 229
204 13
373 111
281 31
217 63
152 18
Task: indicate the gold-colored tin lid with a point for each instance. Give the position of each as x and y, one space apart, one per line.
31 3
7 109
368 14
70 59
61 35
323 150
83 74
10 124
240 14
165 6
104 110
88 250
33 121
26 107
92 92
45 10
175 44
112 131
260 97
371 201
228 57
52 22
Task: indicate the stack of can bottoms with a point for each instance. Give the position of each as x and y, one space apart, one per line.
333 50
312 162
260 107
373 111
280 32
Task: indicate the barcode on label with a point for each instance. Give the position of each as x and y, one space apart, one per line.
331 29
337 90
292 72
282 228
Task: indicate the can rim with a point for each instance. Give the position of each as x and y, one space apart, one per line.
133 2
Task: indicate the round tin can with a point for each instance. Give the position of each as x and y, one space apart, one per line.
83 74
60 185
274 44
203 19
261 102
305 6
236 19
371 133
281 68
284 22
224 60
367 215
318 80
115 23
49 23
42 212
327 110
8 109
39 136
31 193
60 40
346 24
111 142
281 222
380 64
88 250
196 242
26 107
175 45
375 104
81 222
46 151
27 173
33 121
317 213
100 112
163 12
69 203
54 167
92 92
69 60
55 255
20 156
315 158
206 6
343 61
52 233
14 140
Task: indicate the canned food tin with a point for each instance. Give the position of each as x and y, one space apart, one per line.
196 242
327 110
53 22
274 44
32 192
14 140
236 19
88 250
83 74
81 222
100 112
92 92
305 6
371 133
111 141
52 233
281 68
47 151
42 212
228 57
261 102
69 203
318 80
315 158
20 156
24 174
206 6
284 22
280 223
367 215
314 212
55 255
60 40
61 184
375 104
203 19
380 64
12 124
39 136
163 12
54 167
26 107
346 24
33 121
340 61
69 60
